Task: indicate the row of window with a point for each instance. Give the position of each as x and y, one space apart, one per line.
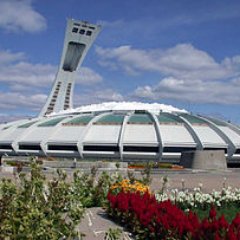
53 100
84 26
106 148
82 31
67 97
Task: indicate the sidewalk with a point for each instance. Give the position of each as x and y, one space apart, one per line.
95 224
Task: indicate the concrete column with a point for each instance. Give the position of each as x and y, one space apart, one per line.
204 159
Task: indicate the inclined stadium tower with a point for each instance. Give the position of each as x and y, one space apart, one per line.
118 130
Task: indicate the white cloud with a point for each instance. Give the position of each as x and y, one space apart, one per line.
182 61
19 15
12 101
186 73
15 100
87 76
4 118
7 57
97 96
108 95
22 75
195 91
30 83
27 74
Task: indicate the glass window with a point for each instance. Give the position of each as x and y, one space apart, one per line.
52 122
167 118
75 30
111 119
89 33
82 31
140 119
81 120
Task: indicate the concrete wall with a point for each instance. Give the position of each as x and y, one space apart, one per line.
204 159
83 165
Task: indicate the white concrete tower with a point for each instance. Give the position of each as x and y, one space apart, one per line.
79 37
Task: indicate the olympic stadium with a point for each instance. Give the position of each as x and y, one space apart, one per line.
115 130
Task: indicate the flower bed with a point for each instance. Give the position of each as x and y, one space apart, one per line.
155 165
197 199
149 219
127 186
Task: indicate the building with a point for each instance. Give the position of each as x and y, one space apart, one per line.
125 131
79 37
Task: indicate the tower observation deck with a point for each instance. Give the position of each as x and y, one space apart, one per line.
79 37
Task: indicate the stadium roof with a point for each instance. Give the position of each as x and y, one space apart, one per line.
139 134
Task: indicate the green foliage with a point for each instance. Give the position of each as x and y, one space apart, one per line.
154 165
146 174
164 165
131 176
38 209
117 165
102 187
164 181
90 190
113 234
229 211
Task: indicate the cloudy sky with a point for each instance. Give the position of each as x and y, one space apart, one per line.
185 53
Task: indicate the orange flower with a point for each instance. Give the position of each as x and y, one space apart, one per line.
126 186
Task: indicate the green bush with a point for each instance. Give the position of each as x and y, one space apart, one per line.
38 209
90 190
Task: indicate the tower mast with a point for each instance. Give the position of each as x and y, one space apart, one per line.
79 37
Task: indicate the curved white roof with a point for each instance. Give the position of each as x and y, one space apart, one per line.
120 130
125 106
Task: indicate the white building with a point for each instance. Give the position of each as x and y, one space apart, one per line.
126 131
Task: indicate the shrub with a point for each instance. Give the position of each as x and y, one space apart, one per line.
38 209
90 190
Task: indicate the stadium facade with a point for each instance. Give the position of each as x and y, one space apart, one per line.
124 130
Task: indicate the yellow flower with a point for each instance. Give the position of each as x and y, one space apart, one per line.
126 186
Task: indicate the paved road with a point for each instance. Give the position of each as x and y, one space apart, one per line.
95 224
208 179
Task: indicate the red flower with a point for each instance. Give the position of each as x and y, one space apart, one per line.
217 237
222 223
236 221
212 213
231 235
164 220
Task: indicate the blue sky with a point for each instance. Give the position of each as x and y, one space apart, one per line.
183 53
